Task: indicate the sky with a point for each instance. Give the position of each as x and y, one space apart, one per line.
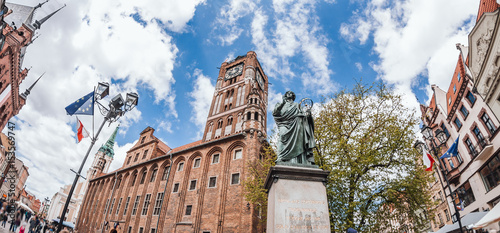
169 52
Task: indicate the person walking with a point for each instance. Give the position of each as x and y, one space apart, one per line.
33 224
4 218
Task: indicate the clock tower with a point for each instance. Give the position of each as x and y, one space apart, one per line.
240 99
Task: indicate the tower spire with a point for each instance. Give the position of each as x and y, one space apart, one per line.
28 91
108 147
38 24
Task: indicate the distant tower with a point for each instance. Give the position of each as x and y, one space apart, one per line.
240 99
18 31
103 157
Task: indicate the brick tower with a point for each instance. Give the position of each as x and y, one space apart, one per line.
16 33
197 187
103 157
240 99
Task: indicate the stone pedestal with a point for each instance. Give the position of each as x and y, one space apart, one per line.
297 200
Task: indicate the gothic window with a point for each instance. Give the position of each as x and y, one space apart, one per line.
454 89
219 124
143 177
188 209
159 199
249 115
212 182
134 177
145 154
176 188
238 154
235 178
153 175
142 140
146 204
136 203
136 157
192 185
181 166
197 162
256 116
229 121
215 158
126 206
165 173
230 106
458 77
489 124
128 160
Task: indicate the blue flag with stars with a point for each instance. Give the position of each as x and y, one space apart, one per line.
452 151
82 106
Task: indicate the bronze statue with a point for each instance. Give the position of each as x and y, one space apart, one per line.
295 129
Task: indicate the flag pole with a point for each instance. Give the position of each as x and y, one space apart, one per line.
93 106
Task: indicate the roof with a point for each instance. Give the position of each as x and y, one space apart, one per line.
20 14
486 6
189 145
454 90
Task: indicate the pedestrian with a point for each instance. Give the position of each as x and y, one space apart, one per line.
33 224
21 230
4 219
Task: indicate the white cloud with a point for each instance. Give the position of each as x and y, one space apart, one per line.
87 42
359 66
202 94
413 38
226 25
297 34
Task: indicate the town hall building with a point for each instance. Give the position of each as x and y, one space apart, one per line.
196 187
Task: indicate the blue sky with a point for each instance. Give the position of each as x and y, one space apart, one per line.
169 51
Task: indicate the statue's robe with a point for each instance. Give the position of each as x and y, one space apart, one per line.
296 131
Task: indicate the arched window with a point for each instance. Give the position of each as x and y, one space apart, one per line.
256 116
143 178
249 115
229 120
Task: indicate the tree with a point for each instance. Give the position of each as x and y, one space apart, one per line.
364 138
253 186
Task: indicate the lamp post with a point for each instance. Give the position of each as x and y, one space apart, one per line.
441 136
117 108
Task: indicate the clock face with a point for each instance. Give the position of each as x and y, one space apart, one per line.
233 72
260 80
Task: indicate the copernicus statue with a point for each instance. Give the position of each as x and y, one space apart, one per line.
296 131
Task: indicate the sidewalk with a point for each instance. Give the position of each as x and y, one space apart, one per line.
7 225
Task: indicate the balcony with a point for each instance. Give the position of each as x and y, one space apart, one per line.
453 175
484 149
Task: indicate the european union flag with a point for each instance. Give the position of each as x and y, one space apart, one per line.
83 106
452 151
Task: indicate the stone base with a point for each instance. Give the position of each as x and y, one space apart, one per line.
297 200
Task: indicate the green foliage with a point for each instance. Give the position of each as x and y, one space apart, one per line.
253 185
364 137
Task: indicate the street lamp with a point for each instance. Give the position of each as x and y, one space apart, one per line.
420 146
117 107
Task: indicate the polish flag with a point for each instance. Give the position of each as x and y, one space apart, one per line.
82 132
428 161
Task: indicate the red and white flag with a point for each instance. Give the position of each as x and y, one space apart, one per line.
82 132
428 161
